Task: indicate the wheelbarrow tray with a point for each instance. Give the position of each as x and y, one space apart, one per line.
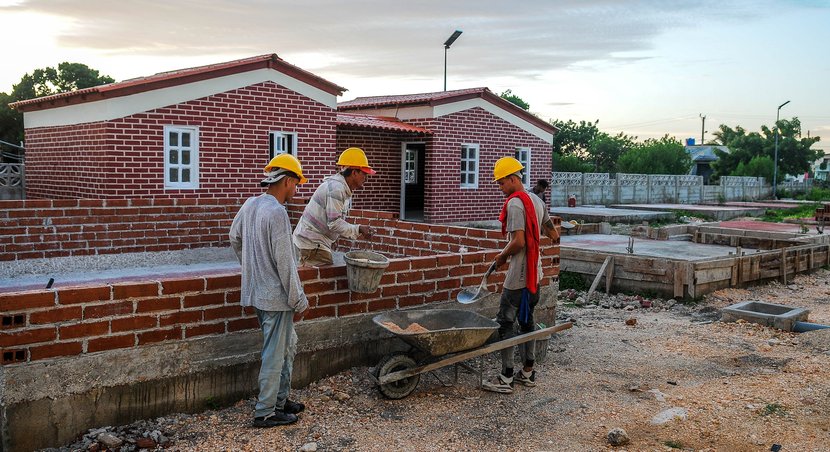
449 330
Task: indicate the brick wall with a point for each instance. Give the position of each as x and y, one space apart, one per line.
44 324
123 158
47 228
445 200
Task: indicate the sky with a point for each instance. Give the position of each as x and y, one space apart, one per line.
646 68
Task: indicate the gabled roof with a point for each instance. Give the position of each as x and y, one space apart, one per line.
177 77
441 98
704 153
363 121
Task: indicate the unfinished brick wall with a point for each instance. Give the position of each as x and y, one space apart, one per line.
47 228
123 158
446 201
44 324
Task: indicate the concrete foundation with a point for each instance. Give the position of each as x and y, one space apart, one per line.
48 403
598 214
768 314
714 212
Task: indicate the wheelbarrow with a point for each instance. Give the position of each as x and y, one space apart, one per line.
438 338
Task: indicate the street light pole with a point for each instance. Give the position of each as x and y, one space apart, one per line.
775 167
447 45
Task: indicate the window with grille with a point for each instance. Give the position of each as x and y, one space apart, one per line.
282 143
410 172
523 156
181 157
469 166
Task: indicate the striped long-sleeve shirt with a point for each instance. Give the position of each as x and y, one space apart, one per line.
324 218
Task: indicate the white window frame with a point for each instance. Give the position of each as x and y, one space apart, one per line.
464 183
275 137
525 163
193 166
413 172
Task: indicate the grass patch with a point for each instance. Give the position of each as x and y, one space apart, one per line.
572 280
773 409
816 194
673 444
779 215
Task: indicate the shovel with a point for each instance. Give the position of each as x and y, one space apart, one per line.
471 295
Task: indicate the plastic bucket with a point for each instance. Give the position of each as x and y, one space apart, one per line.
364 270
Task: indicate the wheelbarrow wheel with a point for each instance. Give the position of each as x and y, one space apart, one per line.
394 363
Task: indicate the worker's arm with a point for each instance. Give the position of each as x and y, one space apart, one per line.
336 212
235 235
550 230
515 245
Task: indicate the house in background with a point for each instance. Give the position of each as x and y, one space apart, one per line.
702 158
207 132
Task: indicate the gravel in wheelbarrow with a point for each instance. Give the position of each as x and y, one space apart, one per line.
438 331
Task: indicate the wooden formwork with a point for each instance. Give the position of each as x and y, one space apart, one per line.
689 279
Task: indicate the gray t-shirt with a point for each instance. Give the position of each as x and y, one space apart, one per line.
517 273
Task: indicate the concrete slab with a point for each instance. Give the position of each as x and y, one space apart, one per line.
599 214
763 204
612 243
750 225
715 212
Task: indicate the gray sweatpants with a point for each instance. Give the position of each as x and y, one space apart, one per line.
279 345
507 318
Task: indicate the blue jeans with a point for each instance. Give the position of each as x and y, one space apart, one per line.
508 316
279 346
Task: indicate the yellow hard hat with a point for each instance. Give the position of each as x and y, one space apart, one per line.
287 162
506 166
355 158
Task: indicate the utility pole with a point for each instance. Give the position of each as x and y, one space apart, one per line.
702 128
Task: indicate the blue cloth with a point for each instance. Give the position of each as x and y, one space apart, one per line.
279 346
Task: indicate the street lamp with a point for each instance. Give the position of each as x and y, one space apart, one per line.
775 167
447 45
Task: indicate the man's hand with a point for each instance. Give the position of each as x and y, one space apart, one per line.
366 231
299 315
500 260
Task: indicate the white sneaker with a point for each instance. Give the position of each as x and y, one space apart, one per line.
499 383
526 378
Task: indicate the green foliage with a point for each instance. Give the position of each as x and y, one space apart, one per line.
664 156
605 151
573 138
514 99
758 166
44 82
773 409
817 194
572 280
571 163
779 215
584 141
795 155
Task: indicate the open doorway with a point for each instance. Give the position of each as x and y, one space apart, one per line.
412 181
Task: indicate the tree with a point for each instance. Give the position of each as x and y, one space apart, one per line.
570 164
758 166
44 82
573 138
514 99
664 156
795 155
605 151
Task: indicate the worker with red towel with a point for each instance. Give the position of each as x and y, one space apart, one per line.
523 216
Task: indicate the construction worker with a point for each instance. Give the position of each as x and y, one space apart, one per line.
261 237
523 216
324 218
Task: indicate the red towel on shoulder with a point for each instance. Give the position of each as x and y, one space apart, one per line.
531 236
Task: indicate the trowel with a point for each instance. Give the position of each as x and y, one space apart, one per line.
473 294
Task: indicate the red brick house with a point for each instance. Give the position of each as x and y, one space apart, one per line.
206 132
448 169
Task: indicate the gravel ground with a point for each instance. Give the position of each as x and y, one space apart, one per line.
732 386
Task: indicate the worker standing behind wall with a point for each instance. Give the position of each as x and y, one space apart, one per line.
261 238
324 218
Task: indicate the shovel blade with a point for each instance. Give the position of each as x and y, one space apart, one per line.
471 295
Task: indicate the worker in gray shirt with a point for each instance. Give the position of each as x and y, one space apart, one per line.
261 237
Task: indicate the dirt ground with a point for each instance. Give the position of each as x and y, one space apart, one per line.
743 388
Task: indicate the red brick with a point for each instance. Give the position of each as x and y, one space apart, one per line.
448 284
18 301
393 291
83 295
332 298
423 262
108 309
204 299
422 287
450 260
158 304
319 286
396 265
461 271
133 323
225 312
110 343
437 273
54 350
203 330
472 258
134 290
411 300
224 282
351 308
150 337
233 297
382 305
315 313
243 324
409 277
56 315
308 273
180 317
182 285
84 330
332 272
28 336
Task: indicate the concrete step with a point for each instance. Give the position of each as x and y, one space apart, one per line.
681 237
